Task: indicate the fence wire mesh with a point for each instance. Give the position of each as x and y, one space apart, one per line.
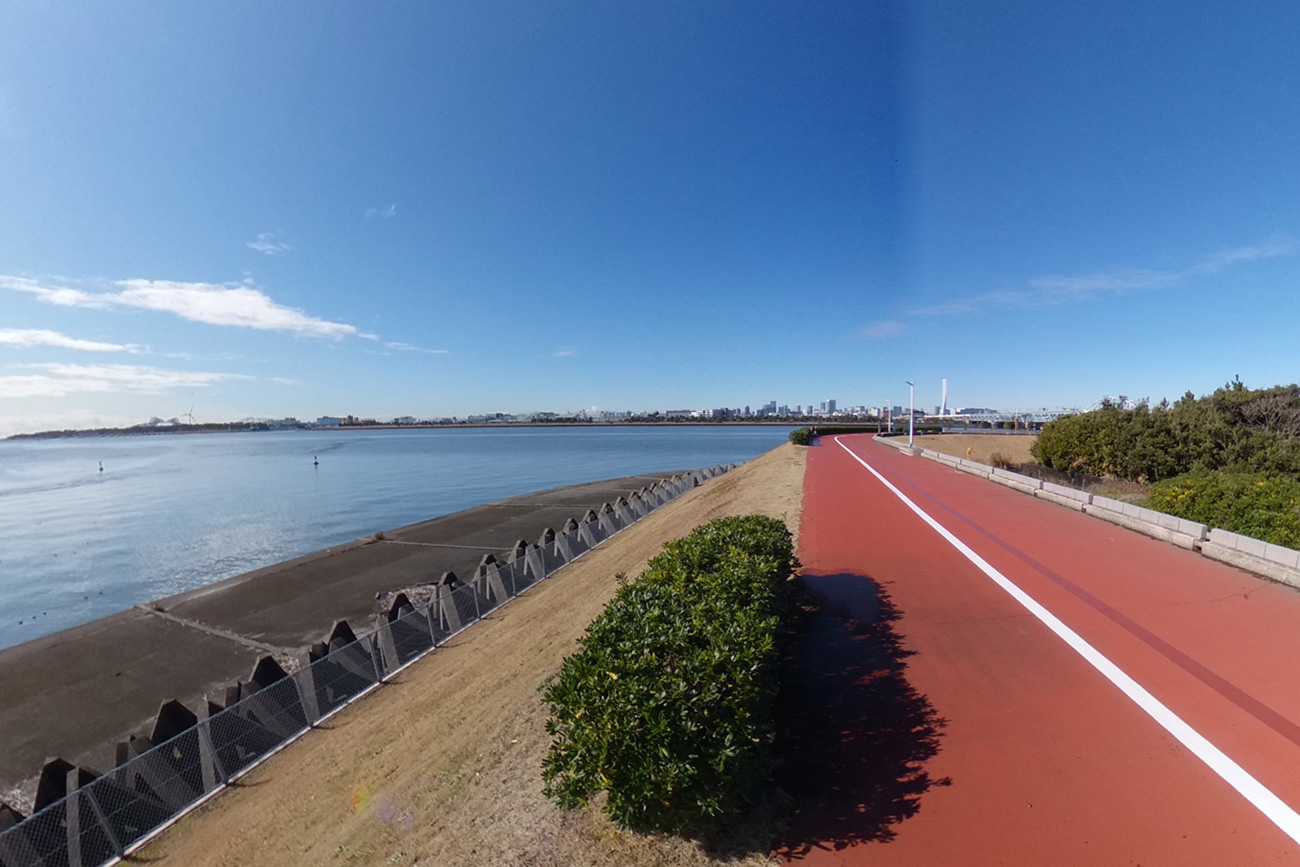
102 820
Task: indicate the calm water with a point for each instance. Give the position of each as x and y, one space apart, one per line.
170 513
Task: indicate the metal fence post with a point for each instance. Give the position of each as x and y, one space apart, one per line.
373 644
428 617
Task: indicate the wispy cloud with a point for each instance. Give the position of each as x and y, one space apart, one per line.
381 213
883 329
1273 248
407 347
266 243
563 353
1056 289
28 338
236 306
60 380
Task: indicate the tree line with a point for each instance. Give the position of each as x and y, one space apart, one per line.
1230 459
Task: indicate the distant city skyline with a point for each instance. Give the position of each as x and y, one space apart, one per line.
447 209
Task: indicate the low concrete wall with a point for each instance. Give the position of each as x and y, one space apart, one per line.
975 468
1024 484
1063 496
1158 525
1262 558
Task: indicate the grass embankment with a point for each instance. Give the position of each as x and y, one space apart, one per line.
444 766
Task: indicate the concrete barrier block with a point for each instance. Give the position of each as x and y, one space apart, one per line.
341 634
1244 544
975 468
489 577
58 778
1108 503
1282 556
9 816
1139 525
15 848
173 718
266 672
1060 500
1020 479
1217 550
400 607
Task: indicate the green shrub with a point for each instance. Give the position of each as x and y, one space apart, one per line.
804 435
667 704
1238 428
1259 505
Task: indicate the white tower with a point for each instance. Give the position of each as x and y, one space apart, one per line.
943 410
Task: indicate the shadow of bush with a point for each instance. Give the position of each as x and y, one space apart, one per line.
853 736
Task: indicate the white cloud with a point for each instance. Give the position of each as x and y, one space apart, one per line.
382 213
27 338
59 295
563 353
61 380
266 243
1270 249
239 306
407 347
883 329
1057 289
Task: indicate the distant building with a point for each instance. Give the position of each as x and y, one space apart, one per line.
329 421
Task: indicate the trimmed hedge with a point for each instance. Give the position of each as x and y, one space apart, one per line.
804 435
667 704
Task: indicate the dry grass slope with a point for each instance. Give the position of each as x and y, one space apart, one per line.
982 447
444 765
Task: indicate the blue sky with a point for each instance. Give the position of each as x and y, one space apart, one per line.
449 208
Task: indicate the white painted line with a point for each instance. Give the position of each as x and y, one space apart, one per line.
1273 807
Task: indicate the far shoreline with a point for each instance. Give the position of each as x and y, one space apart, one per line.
241 427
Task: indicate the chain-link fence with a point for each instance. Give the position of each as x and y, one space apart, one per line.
100 820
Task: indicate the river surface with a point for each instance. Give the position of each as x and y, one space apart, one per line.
169 513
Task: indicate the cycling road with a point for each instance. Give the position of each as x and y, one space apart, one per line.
1039 687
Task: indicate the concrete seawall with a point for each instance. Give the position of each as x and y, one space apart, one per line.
85 693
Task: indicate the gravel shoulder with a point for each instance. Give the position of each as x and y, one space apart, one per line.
444 765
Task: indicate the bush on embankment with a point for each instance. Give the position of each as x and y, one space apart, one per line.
667 704
1259 505
1237 428
804 435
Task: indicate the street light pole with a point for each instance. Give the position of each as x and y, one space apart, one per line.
911 413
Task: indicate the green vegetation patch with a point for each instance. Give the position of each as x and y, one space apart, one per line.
804 435
1235 428
1259 505
667 706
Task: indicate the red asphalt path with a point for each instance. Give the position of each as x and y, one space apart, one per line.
1049 761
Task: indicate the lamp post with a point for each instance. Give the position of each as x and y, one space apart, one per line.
911 413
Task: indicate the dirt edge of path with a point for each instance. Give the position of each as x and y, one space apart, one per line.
444 766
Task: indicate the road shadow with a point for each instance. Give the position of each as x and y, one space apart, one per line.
853 736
